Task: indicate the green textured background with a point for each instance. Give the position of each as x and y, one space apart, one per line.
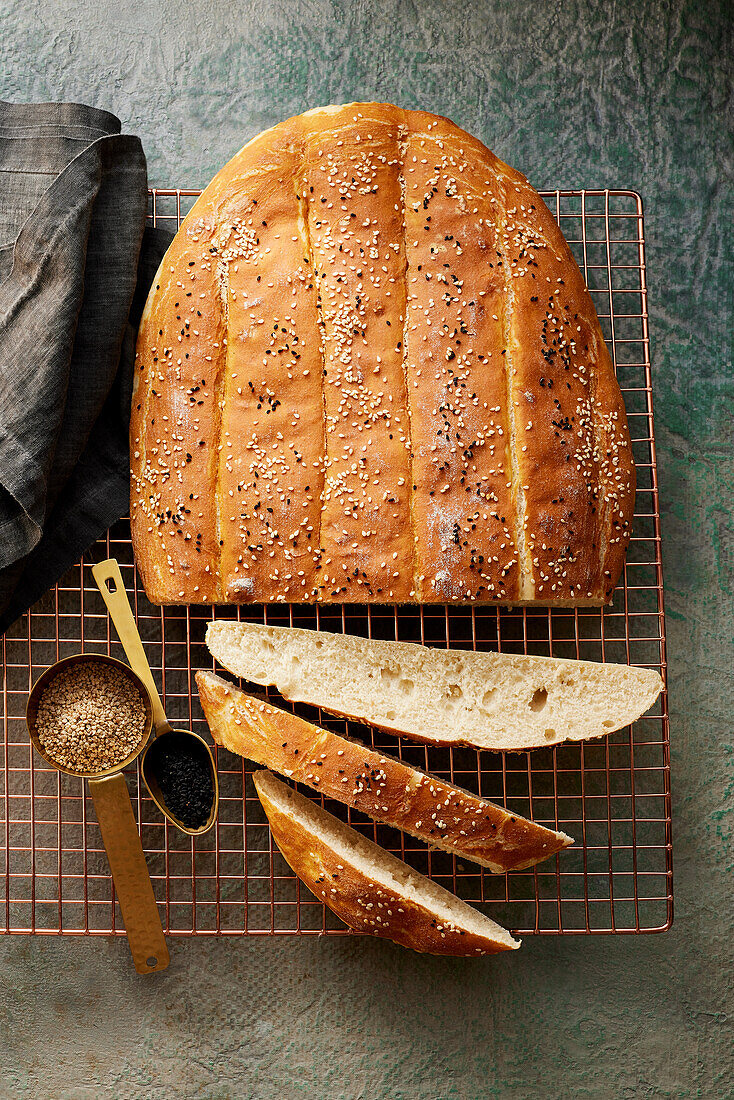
634 94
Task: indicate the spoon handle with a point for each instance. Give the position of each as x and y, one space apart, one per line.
110 583
130 873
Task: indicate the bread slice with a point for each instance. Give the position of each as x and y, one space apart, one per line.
377 785
368 888
498 701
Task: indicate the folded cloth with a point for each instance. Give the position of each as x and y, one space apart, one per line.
76 263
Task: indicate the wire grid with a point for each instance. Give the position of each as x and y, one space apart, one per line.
612 795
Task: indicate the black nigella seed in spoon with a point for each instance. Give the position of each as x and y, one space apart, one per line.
181 768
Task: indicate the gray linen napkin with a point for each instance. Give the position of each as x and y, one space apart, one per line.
75 267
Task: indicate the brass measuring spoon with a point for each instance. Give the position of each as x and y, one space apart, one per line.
110 583
116 823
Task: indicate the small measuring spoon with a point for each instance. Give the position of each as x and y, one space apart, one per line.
109 581
117 824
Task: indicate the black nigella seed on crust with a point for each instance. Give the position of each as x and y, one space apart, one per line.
181 767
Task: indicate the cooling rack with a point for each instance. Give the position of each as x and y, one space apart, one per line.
612 795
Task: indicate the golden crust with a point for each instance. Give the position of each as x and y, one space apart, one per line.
372 782
173 433
576 475
359 267
360 901
369 370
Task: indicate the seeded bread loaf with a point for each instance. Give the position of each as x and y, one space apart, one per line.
498 701
374 783
368 888
369 370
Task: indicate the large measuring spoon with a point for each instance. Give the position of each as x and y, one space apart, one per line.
173 742
116 823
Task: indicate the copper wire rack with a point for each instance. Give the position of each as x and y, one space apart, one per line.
612 795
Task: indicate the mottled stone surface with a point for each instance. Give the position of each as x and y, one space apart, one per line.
634 94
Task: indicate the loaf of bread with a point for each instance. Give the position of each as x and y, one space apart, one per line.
374 783
368 888
369 370
498 701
